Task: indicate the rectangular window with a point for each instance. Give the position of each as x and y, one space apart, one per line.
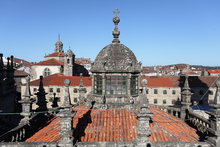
51 90
35 89
134 85
155 101
58 90
75 100
164 101
164 92
147 91
155 91
116 85
173 91
75 90
97 85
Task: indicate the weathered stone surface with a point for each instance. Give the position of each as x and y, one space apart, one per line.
116 57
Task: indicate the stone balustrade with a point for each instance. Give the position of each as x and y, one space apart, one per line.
23 131
202 124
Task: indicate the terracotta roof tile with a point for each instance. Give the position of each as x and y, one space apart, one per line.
50 62
162 81
118 125
176 81
56 54
19 73
58 80
214 71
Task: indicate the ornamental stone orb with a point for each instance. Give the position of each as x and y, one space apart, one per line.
116 57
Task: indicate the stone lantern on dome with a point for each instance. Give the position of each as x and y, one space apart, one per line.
116 73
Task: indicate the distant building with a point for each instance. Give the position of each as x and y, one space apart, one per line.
214 72
58 62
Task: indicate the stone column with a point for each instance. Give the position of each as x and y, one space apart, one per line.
66 119
129 85
26 103
103 84
185 99
214 130
143 115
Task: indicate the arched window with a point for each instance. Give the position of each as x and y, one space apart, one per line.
47 72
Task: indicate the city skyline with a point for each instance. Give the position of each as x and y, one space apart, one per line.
158 32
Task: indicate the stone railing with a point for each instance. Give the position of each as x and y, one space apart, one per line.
14 135
22 132
199 122
175 111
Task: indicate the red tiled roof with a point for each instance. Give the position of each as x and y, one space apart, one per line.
50 62
176 81
20 73
162 81
58 80
167 128
56 54
82 61
214 71
118 125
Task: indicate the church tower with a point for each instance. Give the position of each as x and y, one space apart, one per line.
58 45
69 61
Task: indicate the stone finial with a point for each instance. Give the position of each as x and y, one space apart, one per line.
214 129
217 97
1 69
41 97
185 99
144 116
26 103
116 31
8 64
143 97
27 92
1 61
81 80
186 93
82 91
67 101
12 62
66 119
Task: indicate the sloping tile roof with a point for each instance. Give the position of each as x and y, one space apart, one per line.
167 128
117 125
56 54
20 73
214 71
50 62
162 81
58 80
176 81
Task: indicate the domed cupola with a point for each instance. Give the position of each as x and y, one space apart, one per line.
115 72
116 57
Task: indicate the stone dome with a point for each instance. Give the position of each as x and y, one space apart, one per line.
116 57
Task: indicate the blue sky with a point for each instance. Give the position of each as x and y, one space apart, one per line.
159 32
